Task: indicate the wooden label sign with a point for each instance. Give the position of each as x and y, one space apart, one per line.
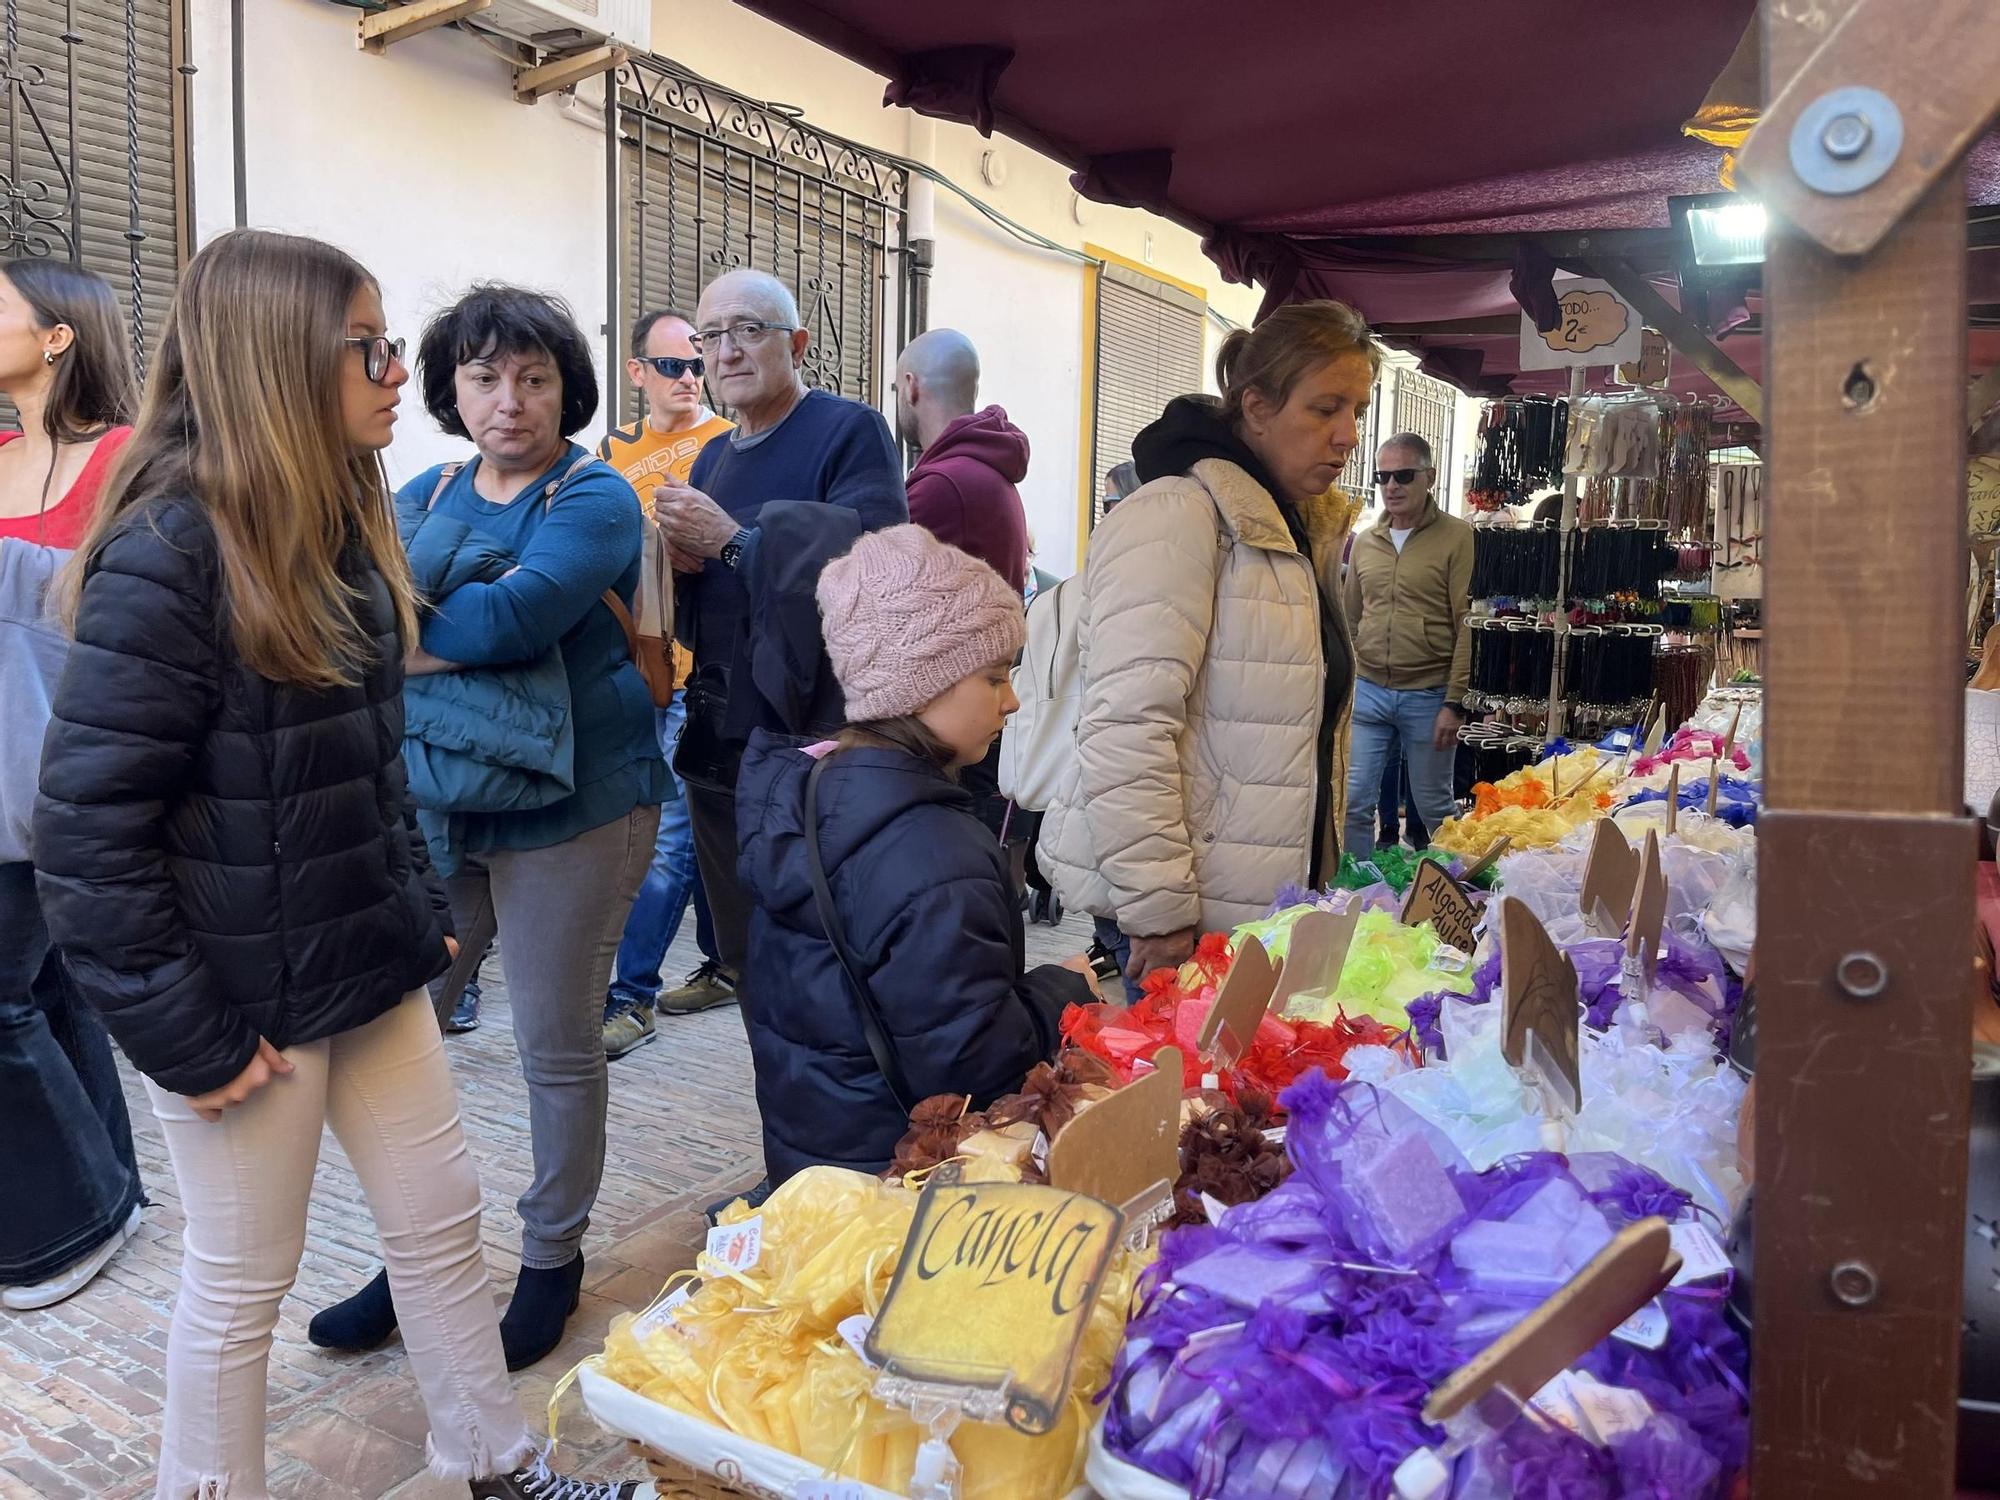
1621 1278
997 1283
1126 1150
1239 1005
1315 955
1649 907
1673 798
1542 1007
1436 898
1610 871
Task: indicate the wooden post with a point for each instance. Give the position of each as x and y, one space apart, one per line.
1865 902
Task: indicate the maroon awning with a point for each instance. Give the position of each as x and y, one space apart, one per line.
1318 146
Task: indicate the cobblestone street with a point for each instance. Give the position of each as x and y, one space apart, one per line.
81 1384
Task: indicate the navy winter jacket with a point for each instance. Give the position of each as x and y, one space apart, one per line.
480 739
923 895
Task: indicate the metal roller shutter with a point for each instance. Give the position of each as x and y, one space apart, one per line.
1149 350
106 101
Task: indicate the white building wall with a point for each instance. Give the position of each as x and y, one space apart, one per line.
419 162
422 164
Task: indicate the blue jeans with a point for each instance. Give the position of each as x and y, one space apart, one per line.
1382 717
1105 933
66 1155
663 897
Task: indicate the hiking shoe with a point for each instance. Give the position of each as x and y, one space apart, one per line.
465 1014
706 988
537 1481
626 1028
1103 962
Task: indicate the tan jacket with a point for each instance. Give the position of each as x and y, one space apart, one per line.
1407 610
1203 688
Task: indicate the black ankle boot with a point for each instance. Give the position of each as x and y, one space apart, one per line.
363 1322
541 1305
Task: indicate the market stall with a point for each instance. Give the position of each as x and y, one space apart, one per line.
1478 1276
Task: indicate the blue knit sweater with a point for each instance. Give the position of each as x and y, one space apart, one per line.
570 552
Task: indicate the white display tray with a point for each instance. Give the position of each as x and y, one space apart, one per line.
1111 1478
755 1468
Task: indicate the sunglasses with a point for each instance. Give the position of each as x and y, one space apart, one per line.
378 354
1399 476
672 366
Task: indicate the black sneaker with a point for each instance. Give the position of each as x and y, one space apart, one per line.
707 987
537 1481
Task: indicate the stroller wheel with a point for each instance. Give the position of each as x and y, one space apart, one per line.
1055 910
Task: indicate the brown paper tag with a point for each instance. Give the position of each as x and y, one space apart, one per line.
1125 1150
1239 1005
1542 1006
1610 871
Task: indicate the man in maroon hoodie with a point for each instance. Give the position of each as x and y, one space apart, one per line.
962 489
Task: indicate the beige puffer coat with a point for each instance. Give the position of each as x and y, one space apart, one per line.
1203 688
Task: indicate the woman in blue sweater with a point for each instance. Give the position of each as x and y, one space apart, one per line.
932 994
510 370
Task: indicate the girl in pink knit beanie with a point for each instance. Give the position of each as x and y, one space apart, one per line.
894 971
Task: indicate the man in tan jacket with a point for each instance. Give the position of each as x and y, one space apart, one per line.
1407 593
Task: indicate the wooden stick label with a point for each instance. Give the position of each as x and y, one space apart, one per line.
1542 1006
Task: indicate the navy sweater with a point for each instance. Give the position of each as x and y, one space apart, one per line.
830 449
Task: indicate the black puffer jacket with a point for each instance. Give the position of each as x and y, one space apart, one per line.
221 856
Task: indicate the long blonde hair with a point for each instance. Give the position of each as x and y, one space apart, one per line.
243 414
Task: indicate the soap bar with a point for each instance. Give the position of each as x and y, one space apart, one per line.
1406 1194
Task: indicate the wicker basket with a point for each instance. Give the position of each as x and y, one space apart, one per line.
676 1481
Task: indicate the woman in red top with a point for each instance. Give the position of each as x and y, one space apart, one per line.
71 1191
65 366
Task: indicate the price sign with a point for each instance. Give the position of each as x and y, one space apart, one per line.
1595 326
1982 495
1542 1007
1126 1150
1436 898
997 1283
1315 955
1240 1004
1649 908
1610 871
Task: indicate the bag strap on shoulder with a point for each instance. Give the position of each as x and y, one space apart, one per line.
445 476
873 1029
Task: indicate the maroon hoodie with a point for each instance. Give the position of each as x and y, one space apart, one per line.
962 491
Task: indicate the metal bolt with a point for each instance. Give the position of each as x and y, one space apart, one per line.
1854 1283
1862 975
1847 136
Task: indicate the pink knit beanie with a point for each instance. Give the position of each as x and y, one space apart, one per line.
907 618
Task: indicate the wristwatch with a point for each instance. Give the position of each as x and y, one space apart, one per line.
732 550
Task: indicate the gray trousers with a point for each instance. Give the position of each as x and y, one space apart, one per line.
560 913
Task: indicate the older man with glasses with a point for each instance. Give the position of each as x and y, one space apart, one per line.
790 443
1409 582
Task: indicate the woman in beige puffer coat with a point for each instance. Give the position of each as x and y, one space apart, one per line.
1217 676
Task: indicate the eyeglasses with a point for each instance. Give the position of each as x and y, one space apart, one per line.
1400 476
378 353
745 335
672 366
